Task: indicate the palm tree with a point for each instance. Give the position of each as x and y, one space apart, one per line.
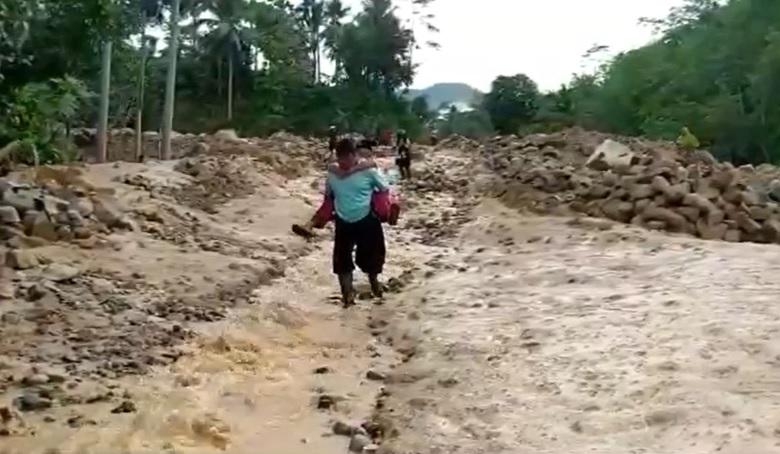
228 34
105 89
170 82
311 13
422 17
335 12
150 12
278 37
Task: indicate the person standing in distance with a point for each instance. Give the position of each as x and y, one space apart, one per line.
333 139
404 153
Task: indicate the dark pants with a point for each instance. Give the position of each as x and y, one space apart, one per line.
366 238
404 167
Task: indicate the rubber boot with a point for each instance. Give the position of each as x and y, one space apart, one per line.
376 287
347 289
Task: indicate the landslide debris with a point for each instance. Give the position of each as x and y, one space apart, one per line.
103 281
645 183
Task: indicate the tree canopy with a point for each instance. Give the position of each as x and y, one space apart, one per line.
256 66
710 79
713 70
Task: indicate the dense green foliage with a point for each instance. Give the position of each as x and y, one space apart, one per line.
256 66
711 79
715 70
511 102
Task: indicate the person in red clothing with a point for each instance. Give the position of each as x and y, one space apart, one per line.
385 205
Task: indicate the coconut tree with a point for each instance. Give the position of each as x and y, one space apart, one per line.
150 14
170 82
311 14
335 13
228 35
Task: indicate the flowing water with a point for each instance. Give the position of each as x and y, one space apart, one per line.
518 335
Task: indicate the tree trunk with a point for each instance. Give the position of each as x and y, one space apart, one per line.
220 87
139 112
319 64
230 88
170 83
105 88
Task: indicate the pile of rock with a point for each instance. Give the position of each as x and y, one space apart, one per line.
437 179
286 154
441 195
707 201
686 193
34 215
216 180
122 144
456 142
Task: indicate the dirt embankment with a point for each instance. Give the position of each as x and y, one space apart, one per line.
176 313
164 306
644 183
108 269
540 328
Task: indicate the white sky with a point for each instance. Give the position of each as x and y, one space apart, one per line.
545 39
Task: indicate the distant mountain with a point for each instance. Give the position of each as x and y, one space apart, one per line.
447 93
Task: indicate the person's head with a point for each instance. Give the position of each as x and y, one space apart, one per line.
365 148
366 144
332 130
346 153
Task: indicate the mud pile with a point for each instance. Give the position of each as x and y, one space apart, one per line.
457 142
443 177
649 184
281 150
122 144
54 204
104 266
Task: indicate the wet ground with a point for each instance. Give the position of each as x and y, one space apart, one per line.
502 333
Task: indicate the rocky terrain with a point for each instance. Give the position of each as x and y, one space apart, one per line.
107 267
548 293
647 184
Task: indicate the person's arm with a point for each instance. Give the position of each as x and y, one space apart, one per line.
378 180
328 189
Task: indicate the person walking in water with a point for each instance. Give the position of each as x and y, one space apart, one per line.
333 139
404 153
358 228
384 204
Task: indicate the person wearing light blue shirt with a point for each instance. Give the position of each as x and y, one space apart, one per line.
358 228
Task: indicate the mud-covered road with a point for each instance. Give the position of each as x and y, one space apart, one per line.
501 333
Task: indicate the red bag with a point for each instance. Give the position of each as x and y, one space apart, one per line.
380 203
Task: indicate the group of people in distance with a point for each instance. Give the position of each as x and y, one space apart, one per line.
358 200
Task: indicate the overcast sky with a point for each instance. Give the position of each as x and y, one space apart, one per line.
544 39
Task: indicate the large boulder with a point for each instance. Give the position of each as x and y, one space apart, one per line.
611 154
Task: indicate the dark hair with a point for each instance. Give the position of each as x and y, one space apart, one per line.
345 147
367 144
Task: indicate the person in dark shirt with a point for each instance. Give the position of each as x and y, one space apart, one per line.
333 140
404 154
367 144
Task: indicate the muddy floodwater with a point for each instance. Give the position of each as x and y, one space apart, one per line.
501 332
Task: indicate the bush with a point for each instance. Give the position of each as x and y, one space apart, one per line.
35 118
687 141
